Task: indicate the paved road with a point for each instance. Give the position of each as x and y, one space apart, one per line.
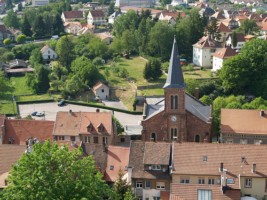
52 108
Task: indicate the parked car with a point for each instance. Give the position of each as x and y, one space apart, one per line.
40 114
61 103
34 113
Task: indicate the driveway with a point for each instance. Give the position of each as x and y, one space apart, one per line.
114 104
51 109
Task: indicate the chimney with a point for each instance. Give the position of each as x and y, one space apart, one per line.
97 110
221 167
262 113
70 111
254 168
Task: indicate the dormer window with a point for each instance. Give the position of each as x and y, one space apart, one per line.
90 127
156 167
100 128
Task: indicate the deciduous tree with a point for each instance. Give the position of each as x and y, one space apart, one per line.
53 172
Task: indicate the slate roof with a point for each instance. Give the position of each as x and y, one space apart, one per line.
175 78
73 14
21 130
243 121
139 156
9 155
225 53
118 157
192 105
75 123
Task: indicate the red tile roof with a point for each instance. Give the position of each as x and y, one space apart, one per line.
21 130
207 42
223 28
97 13
9 155
243 121
225 53
118 158
190 192
73 14
75 123
173 14
189 160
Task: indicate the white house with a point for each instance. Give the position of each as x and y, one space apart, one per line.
220 56
72 27
48 53
96 17
101 91
113 16
224 31
203 50
240 41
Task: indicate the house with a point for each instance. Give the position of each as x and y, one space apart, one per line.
36 3
224 31
17 67
4 33
106 37
101 91
220 56
231 23
18 131
218 171
73 27
117 161
154 13
92 128
9 156
203 50
178 116
139 4
240 41
263 29
96 17
243 126
48 53
113 16
219 15
148 169
206 12
86 29
170 16
68 16
249 38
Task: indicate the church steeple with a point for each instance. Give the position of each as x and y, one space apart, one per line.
175 77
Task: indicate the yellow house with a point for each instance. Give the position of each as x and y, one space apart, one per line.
207 171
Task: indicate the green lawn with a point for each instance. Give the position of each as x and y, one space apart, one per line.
20 86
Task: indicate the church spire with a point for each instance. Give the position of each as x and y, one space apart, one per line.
175 77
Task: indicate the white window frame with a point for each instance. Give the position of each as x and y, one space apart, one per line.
204 194
87 139
160 185
139 184
248 182
185 180
201 181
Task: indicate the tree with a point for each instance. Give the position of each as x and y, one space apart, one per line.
238 73
152 69
7 56
7 41
73 85
206 100
38 26
64 49
11 20
234 39
121 186
111 8
58 76
248 26
57 25
129 195
107 73
98 61
19 6
36 57
85 70
9 4
42 79
213 29
26 27
53 172
21 38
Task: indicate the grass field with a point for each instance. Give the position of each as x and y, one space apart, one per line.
20 86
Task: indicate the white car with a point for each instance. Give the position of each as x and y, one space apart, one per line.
40 114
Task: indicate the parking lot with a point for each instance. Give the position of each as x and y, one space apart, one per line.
50 110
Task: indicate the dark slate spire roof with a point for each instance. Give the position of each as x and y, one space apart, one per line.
175 77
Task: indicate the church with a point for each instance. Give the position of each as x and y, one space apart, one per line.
178 116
